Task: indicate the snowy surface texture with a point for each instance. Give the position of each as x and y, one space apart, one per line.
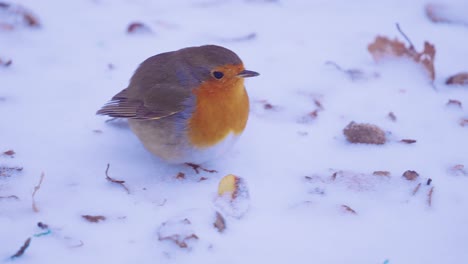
313 197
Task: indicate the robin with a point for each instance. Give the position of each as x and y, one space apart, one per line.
186 106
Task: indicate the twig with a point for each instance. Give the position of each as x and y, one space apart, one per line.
36 188
119 182
196 168
22 249
429 196
9 197
405 36
417 188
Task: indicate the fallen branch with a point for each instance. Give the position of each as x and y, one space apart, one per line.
119 182
36 188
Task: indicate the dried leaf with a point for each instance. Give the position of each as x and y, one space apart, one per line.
180 176
383 48
138 27
456 103
410 175
348 209
14 15
5 63
22 249
219 223
119 182
364 133
408 141
464 122
36 188
458 79
9 153
94 218
381 173
458 169
182 237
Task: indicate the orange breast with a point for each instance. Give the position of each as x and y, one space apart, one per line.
221 108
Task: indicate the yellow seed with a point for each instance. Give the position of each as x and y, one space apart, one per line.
228 184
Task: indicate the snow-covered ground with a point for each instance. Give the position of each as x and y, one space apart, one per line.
313 195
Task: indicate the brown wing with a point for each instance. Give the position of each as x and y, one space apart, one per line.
155 103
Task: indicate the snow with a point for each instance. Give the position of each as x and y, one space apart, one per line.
60 77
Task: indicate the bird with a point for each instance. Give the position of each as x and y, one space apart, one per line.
186 106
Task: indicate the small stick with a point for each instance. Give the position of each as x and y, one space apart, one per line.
429 196
9 197
119 182
405 36
196 168
36 188
22 249
416 189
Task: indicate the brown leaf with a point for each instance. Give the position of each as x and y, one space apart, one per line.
383 48
94 218
381 173
138 27
410 175
464 122
5 63
180 176
19 16
458 169
408 141
348 209
219 223
458 79
9 152
452 102
364 133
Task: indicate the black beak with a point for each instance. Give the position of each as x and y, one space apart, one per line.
246 73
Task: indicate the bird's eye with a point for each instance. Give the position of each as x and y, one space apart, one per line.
218 75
